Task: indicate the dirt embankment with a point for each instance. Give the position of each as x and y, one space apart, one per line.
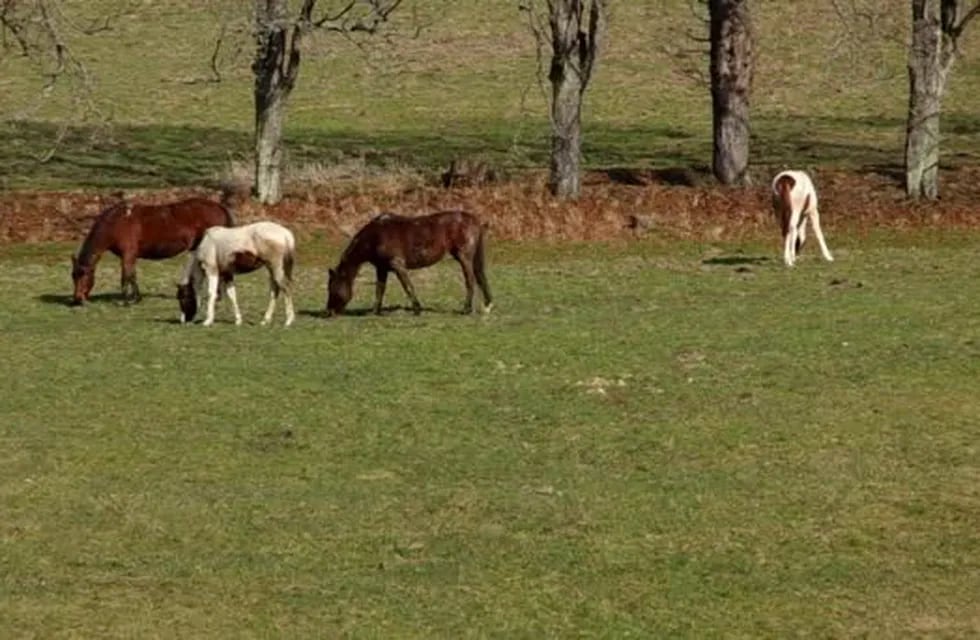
673 204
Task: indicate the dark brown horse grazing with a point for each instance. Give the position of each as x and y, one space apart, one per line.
397 243
150 231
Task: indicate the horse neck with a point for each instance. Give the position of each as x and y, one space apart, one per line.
192 273
95 243
352 259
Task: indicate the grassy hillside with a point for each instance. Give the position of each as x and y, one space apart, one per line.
826 93
642 440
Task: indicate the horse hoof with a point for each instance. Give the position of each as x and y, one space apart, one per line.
487 308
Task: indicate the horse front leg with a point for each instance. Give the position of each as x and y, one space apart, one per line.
379 289
406 283
128 279
212 298
229 287
468 279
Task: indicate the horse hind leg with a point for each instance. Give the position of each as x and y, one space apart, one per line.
466 262
279 283
273 295
800 236
287 294
479 268
815 221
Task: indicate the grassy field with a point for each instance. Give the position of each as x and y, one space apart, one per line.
825 93
642 440
650 438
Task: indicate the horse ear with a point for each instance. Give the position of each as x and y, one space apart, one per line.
331 273
74 260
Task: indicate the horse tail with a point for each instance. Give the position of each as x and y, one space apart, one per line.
479 267
783 200
289 261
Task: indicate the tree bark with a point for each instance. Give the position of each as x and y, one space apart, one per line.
269 115
575 39
731 69
275 67
931 57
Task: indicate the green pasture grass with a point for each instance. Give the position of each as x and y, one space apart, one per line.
463 78
642 440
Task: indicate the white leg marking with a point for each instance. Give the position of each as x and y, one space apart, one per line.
233 298
815 218
212 297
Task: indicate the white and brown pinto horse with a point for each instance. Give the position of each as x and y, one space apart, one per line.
227 251
795 200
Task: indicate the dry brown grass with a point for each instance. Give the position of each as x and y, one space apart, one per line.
331 200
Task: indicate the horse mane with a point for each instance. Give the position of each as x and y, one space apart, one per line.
359 237
85 251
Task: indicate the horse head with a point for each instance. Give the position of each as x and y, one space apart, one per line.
187 298
83 275
339 292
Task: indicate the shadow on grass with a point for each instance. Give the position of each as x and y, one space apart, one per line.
361 312
731 261
65 299
169 155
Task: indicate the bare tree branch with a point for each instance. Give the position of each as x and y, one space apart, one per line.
961 25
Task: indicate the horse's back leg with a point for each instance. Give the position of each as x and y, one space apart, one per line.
815 221
402 272
479 268
465 261
273 295
379 288
279 283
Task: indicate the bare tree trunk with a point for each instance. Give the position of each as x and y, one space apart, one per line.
930 59
732 62
274 78
566 133
574 43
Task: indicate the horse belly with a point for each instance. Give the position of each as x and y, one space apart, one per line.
162 250
245 262
421 255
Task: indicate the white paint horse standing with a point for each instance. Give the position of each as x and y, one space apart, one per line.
227 251
794 200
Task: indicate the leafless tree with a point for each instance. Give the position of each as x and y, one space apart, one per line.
731 67
279 36
936 29
41 32
575 29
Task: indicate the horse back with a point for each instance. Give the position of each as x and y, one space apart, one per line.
166 230
424 240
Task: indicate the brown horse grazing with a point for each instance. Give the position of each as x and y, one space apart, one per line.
397 243
150 231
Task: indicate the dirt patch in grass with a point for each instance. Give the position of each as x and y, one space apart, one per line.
615 203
